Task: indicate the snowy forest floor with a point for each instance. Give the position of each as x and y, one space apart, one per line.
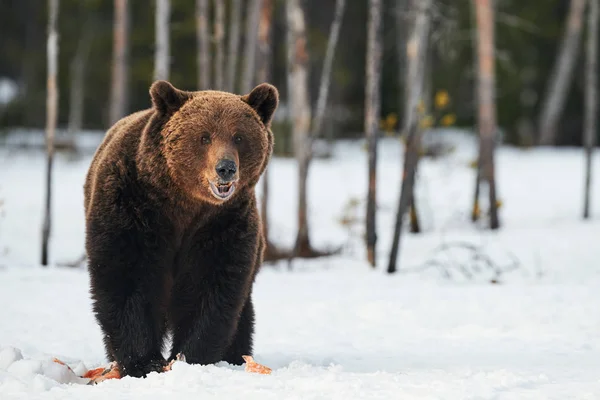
333 328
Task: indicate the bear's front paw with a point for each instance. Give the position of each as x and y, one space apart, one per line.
139 369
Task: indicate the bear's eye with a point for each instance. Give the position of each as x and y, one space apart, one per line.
238 139
205 139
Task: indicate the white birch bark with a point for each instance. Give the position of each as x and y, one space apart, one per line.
252 21
120 83
416 55
299 105
372 111
203 43
51 118
591 100
162 54
219 38
234 44
486 96
561 77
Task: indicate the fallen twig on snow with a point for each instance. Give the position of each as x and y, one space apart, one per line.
476 262
74 264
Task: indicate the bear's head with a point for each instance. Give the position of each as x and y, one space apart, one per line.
215 144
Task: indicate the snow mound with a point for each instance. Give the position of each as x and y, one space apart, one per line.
19 374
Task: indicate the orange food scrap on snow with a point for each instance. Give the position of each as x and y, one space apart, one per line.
56 360
253 366
101 374
93 373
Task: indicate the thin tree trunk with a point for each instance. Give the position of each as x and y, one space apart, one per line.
162 53
219 39
265 25
119 97
252 21
324 85
372 110
120 66
404 25
297 55
475 211
234 44
561 77
415 226
403 28
591 100
416 55
77 72
487 100
263 75
51 117
325 82
202 40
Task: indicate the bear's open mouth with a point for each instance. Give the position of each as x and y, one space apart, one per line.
222 191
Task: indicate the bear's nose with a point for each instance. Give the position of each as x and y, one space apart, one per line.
226 170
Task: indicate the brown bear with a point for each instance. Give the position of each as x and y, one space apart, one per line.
173 235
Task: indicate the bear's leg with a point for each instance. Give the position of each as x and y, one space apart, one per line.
241 345
129 293
203 319
133 327
210 292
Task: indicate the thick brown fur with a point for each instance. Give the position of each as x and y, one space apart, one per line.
167 254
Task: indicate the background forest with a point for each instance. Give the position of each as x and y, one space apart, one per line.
528 37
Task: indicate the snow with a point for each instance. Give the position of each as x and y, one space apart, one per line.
334 328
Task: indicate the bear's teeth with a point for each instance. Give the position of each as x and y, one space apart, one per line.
223 188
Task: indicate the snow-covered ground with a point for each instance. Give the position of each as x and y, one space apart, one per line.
333 328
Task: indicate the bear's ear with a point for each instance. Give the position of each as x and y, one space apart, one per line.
166 98
264 99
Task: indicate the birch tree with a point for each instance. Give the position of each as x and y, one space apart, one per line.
162 52
591 100
234 44
300 107
203 43
299 101
403 27
219 36
263 75
372 111
265 28
325 82
562 74
416 55
475 209
119 91
252 20
51 117
486 93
